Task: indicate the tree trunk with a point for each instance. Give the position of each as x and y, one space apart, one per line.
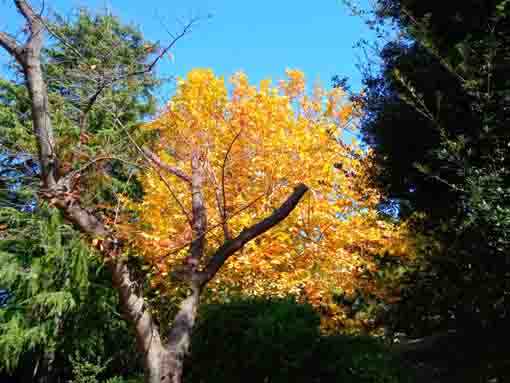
157 363
164 362
41 120
46 371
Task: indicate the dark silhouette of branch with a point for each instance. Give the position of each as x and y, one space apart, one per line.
230 247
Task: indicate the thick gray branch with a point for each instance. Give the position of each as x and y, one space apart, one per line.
26 10
199 214
130 292
36 26
230 247
10 45
28 56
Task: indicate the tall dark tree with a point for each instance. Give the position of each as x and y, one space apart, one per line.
436 117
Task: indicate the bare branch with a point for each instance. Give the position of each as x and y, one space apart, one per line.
35 25
90 103
10 45
26 10
186 29
60 37
115 78
150 155
100 159
230 247
156 169
215 226
225 159
219 201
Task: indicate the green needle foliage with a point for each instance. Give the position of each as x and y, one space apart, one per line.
59 300
45 269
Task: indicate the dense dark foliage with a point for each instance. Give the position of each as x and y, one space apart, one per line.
437 116
260 340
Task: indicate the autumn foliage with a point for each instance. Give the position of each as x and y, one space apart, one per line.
254 144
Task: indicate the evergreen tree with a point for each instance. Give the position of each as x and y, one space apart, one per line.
52 285
436 117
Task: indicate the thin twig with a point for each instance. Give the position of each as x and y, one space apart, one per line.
223 174
165 182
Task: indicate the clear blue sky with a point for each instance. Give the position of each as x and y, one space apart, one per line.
260 37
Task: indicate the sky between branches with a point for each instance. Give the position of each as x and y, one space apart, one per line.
260 37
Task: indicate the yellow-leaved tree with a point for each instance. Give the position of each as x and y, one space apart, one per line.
224 160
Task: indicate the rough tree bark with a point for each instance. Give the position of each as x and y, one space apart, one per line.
163 353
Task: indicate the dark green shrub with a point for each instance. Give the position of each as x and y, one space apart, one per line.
252 339
260 340
355 359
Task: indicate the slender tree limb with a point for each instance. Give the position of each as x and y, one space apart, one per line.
156 169
88 107
186 29
216 225
230 247
153 157
219 202
225 159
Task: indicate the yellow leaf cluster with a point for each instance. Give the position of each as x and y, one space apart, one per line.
255 145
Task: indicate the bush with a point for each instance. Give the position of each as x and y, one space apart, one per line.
260 340
357 359
255 339
88 371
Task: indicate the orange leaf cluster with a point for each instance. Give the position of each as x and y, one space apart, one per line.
256 144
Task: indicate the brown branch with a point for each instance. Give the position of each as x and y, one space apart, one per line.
156 169
230 217
167 167
90 103
114 79
219 202
216 225
225 159
100 159
184 32
151 66
230 247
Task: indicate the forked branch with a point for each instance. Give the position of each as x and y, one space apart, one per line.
230 247
153 157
